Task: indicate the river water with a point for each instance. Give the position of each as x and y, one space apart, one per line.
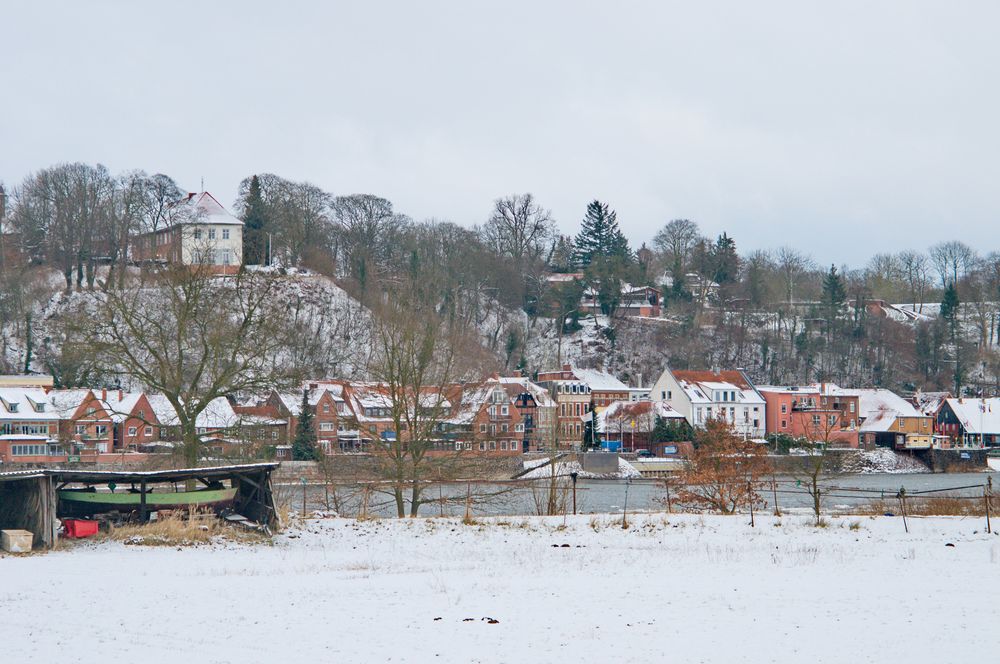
839 493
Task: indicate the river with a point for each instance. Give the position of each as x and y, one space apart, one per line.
486 498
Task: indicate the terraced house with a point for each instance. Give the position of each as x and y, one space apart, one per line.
29 427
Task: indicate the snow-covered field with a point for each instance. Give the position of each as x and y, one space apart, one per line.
668 589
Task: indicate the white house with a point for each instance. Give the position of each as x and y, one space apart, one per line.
703 395
201 232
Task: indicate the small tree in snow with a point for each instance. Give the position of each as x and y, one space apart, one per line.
724 471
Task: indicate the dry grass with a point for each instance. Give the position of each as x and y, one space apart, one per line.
182 529
943 505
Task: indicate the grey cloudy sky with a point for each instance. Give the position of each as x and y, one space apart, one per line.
841 128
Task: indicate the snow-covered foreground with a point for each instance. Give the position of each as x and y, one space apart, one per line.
669 588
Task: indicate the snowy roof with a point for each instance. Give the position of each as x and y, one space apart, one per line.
929 403
65 402
600 381
293 400
789 389
25 403
162 409
542 397
977 415
203 208
120 408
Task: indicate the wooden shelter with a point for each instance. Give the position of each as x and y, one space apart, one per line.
28 499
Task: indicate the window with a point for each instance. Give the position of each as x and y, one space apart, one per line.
211 233
784 424
133 431
225 233
101 430
519 428
148 431
670 394
326 426
326 408
81 429
482 428
274 434
815 420
29 450
197 233
663 396
503 445
852 406
503 427
493 445
226 257
504 410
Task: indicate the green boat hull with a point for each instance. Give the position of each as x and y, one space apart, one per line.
81 501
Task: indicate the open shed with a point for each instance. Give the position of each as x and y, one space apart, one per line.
29 499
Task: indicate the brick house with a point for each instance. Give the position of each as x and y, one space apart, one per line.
573 401
537 408
812 412
85 422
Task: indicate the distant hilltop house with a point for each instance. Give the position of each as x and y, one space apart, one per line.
635 301
200 232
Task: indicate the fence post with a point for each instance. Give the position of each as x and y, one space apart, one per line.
750 500
625 506
987 496
666 483
902 507
774 492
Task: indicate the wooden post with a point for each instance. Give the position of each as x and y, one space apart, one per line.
143 514
303 480
574 476
902 507
666 483
774 492
750 500
987 495
468 502
625 507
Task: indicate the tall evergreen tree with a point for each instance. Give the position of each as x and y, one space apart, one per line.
725 261
834 293
600 236
254 226
949 306
304 443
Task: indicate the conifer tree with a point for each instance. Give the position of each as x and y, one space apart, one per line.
600 236
304 444
254 226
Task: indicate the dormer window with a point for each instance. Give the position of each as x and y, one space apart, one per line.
12 407
39 407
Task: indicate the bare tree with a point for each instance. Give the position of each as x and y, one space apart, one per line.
518 228
725 471
675 241
191 337
952 260
915 271
418 356
792 264
366 228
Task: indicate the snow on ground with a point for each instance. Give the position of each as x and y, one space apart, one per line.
881 460
682 588
541 470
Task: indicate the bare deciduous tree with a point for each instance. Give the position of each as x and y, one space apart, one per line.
192 337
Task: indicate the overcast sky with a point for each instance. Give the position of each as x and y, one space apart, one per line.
841 128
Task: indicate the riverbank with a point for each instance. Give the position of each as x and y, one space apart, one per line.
699 588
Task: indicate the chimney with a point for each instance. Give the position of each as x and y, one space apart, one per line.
121 395
567 367
516 373
104 394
